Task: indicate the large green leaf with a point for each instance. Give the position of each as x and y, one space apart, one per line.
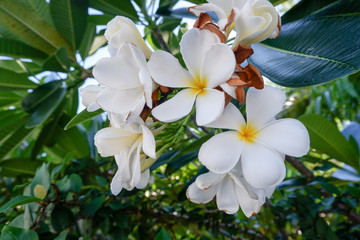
19 166
87 40
12 81
325 137
115 7
30 28
9 98
70 19
10 124
16 201
59 61
43 101
83 116
310 51
17 49
15 233
20 67
40 7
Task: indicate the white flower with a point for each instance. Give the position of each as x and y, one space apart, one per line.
231 191
257 21
210 64
88 97
126 142
121 30
226 10
127 82
260 144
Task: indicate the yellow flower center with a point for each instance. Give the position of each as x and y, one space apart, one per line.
247 133
199 84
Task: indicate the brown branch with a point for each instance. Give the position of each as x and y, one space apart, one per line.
160 40
298 165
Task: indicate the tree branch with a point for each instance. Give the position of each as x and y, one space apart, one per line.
160 40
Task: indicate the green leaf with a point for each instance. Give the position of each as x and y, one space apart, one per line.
43 101
163 235
59 61
87 40
61 218
12 81
310 51
19 166
83 116
9 98
16 201
100 19
30 28
14 140
70 19
42 177
325 137
10 124
20 67
304 8
62 235
90 208
17 49
40 7
14 233
115 7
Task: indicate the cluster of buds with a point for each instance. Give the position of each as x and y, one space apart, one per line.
245 163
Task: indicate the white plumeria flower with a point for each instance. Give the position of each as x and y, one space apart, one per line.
126 142
210 64
231 191
88 97
257 21
127 82
222 8
121 30
260 143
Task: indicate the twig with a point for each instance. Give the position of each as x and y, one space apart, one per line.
160 40
299 166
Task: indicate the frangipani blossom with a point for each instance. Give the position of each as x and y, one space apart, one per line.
260 143
210 64
127 82
226 10
88 97
126 142
255 20
122 30
231 191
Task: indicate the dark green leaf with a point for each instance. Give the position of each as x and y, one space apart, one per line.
19 166
70 19
61 217
17 49
20 67
10 124
87 40
163 235
42 177
115 7
30 28
58 62
180 161
62 235
325 137
310 51
90 208
12 81
14 233
16 201
83 116
40 7
100 19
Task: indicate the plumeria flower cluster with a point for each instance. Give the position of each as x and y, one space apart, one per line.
246 160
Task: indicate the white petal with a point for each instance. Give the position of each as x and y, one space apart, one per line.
110 141
208 7
121 72
120 101
263 105
177 107
225 198
135 111
197 195
262 167
288 136
144 180
93 107
239 179
193 47
231 118
116 183
167 71
229 89
206 180
88 94
149 145
248 205
221 152
218 65
121 30
147 84
209 106
135 167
